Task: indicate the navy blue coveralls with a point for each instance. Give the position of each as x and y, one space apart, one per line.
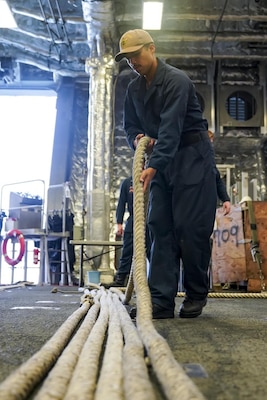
126 201
221 189
183 193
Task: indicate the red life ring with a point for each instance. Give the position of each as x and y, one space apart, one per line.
14 234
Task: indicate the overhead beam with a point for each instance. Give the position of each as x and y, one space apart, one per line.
175 16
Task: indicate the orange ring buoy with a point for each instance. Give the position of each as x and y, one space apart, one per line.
14 234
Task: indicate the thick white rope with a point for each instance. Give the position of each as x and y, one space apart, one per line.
105 357
232 295
136 383
16 285
55 385
109 384
84 378
19 384
173 379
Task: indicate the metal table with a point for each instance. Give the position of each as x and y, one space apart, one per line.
83 243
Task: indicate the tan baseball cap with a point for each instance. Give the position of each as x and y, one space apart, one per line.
132 41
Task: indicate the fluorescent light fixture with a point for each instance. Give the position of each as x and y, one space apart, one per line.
152 15
6 17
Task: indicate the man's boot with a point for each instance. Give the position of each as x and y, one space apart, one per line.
120 280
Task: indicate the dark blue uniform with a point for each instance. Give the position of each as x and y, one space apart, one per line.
126 203
221 189
183 192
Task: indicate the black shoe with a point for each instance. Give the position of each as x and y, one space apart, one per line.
191 308
120 280
158 312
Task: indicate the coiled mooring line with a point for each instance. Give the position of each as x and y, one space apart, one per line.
98 353
22 381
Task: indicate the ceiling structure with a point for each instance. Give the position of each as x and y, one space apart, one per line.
57 36
220 43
